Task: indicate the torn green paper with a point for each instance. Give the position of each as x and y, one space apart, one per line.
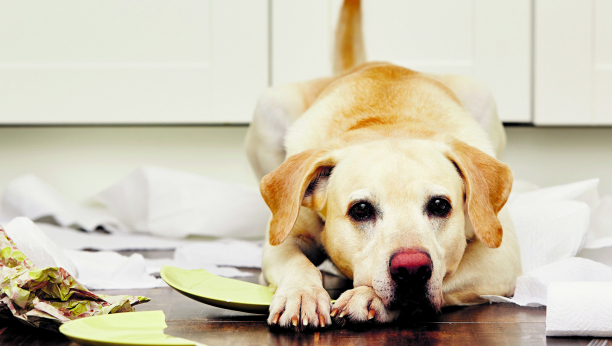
48 297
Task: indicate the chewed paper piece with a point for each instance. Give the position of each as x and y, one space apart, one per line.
47 297
139 328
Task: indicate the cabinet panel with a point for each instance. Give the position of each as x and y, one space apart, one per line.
573 62
301 40
114 62
603 62
490 40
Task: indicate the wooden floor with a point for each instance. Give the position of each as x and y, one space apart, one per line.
497 324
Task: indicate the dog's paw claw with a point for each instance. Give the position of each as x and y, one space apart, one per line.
300 308
361 305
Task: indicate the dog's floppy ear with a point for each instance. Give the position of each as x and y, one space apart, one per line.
488 182
293 184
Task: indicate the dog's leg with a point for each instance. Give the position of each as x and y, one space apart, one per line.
300 302
276 109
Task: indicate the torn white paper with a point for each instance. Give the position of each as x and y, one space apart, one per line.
532 288
154 267
103 270
553 225
172 203
31 197
73 239
41 250
227 252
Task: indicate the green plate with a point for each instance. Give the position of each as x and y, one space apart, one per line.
218 291
129 329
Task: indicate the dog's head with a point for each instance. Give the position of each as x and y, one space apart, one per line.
397 213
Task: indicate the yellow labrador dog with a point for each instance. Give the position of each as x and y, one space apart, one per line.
392 175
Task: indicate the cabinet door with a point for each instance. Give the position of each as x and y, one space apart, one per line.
490 40
573 62
118 62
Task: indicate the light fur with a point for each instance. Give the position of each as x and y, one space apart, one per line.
396 137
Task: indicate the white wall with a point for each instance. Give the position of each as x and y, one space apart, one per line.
81 161
551 156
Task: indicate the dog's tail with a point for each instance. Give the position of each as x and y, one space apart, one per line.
349 50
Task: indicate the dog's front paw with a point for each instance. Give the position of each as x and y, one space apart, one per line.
300 308
360 305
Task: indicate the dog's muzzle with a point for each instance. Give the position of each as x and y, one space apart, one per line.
410 270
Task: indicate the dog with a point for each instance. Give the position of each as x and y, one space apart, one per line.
392 175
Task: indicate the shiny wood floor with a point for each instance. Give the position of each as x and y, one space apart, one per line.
497 324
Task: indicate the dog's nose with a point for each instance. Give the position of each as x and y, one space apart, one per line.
410 267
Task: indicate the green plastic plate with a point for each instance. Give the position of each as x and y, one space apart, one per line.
218 291
122 329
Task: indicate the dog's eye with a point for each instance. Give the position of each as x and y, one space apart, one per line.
439 207
361 211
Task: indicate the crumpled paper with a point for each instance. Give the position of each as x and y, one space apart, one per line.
176 204
73 239
564 233
108 270
31 197
47 297
41 250
150 200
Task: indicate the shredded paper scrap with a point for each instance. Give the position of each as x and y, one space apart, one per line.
50 296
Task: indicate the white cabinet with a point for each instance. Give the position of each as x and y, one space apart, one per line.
207 61
141 61
573 62
490 40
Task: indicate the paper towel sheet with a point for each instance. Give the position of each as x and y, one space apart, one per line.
109 270
227 252
176 204
154 266
39 248
600 235
31 197
105 270
579 309
532 288
73 239
553 226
